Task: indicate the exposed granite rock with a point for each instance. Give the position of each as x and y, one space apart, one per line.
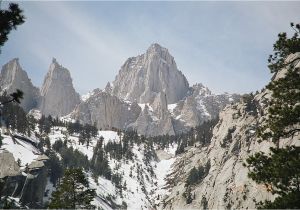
107 111
14 77
10 168
34 186
59 97
29 186
226 185
141 78
149 125
201 105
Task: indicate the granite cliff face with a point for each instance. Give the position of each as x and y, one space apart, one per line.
155 118
14 77
141 78
226 184
106 110
58 96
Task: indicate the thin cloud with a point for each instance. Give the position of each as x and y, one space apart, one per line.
221 44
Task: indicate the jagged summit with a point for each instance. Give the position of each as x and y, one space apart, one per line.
13 77
56 72
58 94
11 68
141 78
58 65
200 89
156 46
157 49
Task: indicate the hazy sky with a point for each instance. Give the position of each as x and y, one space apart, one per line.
223 45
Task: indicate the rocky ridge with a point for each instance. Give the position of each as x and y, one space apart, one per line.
168 104
226 184
149 95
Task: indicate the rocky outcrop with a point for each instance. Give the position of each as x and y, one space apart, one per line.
201 105
226 185
11 179
35 183
59 97
107 111
14 77
155 119
141 78
29 184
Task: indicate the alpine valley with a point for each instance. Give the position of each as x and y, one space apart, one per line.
138 140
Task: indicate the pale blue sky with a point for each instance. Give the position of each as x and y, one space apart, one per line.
223 45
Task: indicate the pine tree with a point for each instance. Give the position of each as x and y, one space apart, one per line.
55 167
279 171
99 162
9 19
284 109
73 192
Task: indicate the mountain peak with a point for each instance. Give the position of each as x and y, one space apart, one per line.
156 47
158 50
13 77
14 60
54 60
55 66
141 78
58 94
14 63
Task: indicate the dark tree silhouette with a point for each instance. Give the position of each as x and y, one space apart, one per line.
9 20
279 171
73 192
15 97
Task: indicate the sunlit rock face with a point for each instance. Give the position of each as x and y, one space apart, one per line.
13 77
226 184
141 78
106 111
58 94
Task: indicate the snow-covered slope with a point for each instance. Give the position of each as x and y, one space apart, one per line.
143 177
144 180
25 151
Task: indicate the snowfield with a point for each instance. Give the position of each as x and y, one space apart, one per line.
22 150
